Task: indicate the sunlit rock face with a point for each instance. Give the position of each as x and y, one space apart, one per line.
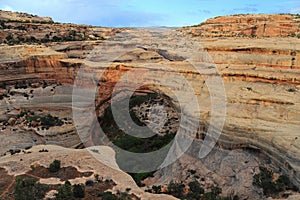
248 25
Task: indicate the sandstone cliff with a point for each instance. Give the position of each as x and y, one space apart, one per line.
20 28
250 25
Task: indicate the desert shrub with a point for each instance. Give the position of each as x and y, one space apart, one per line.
265 180
195 187
27 188
49 121
9 37
3 85
21 85
108 196
21 28
64 192
56 39
118 196
292 90
78 191
2 24
196 191
213 195
192 171
176 189
89 183
54 166
32 39
156 189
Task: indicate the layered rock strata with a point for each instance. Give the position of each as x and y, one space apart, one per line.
251 25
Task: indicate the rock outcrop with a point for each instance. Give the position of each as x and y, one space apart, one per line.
8 16
251 25
86 160
21 28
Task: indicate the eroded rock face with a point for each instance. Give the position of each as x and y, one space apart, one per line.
248 26
22 28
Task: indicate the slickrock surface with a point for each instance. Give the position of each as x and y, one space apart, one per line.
249 25
84 160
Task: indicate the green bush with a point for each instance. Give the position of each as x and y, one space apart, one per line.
213 195
108 196
78 191
156 189
49 121
264 180
54 166
27 188
21 85
64 192
176 189
196 191
138 177
3 85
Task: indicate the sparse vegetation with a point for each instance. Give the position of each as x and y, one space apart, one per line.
3 85
27 188
64 192
249 89
176 189
21 85
194 192
271 187
296 15
45 121
111 196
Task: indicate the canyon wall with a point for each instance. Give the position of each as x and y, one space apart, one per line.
250 25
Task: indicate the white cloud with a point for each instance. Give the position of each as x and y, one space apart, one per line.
295 10
7 8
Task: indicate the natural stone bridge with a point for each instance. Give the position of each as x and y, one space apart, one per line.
261 82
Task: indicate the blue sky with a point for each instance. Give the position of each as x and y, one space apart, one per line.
141 13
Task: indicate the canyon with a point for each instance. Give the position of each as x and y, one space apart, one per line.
257 58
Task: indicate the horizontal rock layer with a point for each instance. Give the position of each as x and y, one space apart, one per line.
250 25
